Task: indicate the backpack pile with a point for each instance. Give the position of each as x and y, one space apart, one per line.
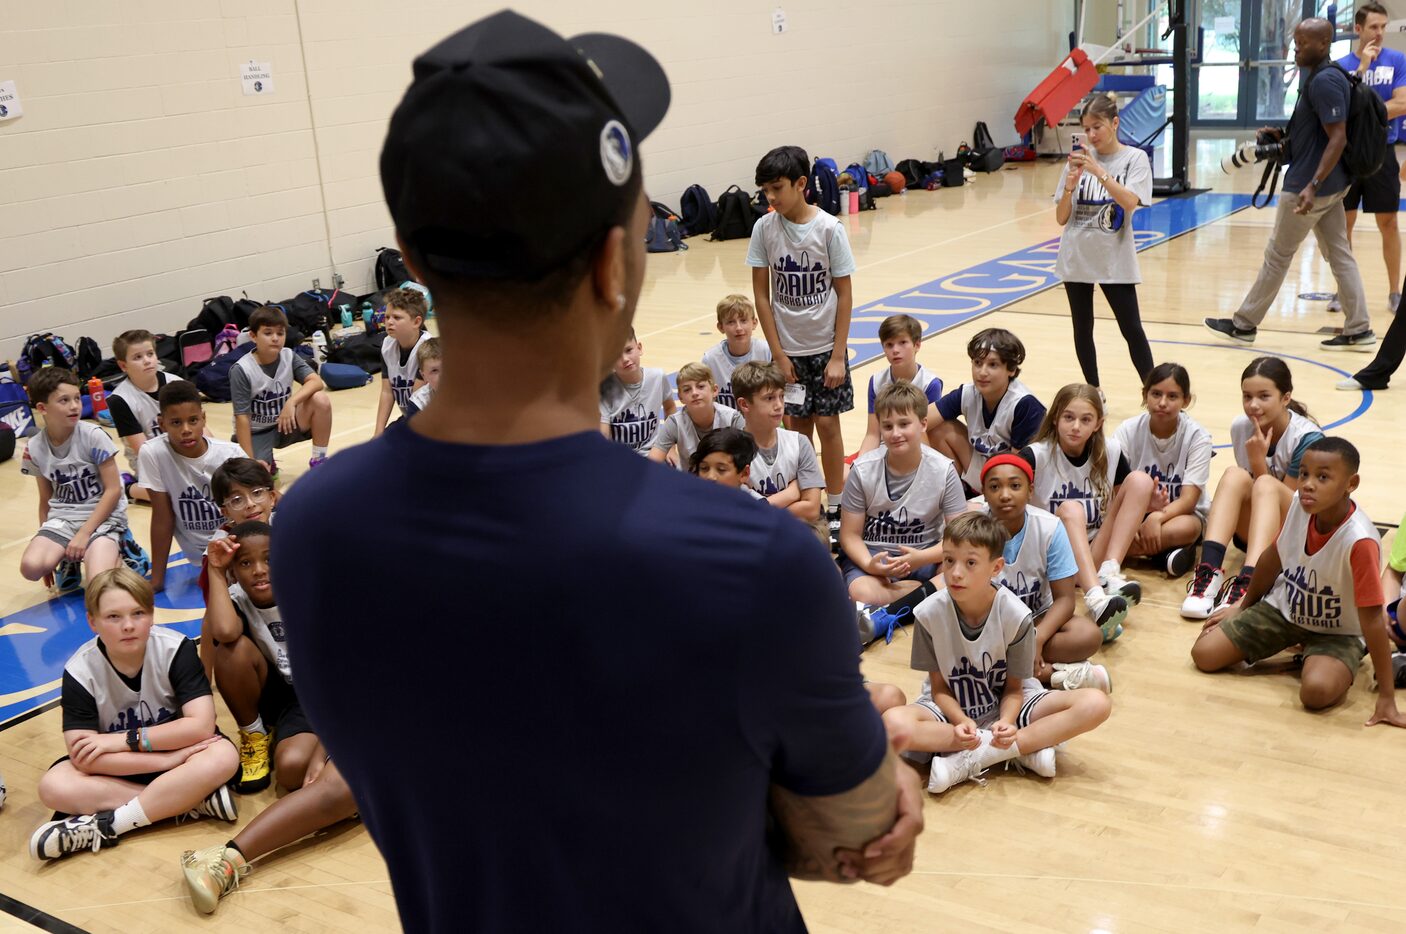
664 234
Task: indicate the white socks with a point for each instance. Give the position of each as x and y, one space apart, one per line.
256 727
1094 596
989 754
319 451
129 816
1108 570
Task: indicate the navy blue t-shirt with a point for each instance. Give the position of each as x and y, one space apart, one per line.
560 679
1324 98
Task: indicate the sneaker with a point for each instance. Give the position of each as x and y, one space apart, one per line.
60 838
253 762
1072 677
1392 301
1233 590
317 461
957 767
1129 590
1180 560
1108 614
68 577
1225 327
133 554
832 517
211 874
219 805
1201 592
1042 763
1357 342
1334 303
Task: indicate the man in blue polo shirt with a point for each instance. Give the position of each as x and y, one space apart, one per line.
532 746
1384 71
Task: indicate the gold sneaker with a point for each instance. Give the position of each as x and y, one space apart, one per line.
253 762
211 874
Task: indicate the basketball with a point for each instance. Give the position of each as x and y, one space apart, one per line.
895 181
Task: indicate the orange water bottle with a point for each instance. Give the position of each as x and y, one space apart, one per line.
95 393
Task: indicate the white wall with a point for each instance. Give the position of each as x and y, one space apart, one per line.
140 179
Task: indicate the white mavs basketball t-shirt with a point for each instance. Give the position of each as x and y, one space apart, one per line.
1173 462
265 625
791 458
804 260
907 510
97 696
1057 480
722 363
929 383
72 469
633 410
1027 572
975 665
989 438
1285 452
267 394
1315 591
187 481
143 408
402 376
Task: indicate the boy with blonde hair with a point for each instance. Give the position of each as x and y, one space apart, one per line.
700 415
139 725
82 510
632 398
896 501
737 320
431 362
132 402
785 469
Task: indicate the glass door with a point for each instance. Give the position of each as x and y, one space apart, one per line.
1216 81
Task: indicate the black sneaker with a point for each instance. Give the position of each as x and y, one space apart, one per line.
1225 327
1180 560
1358 342
59 838
832 517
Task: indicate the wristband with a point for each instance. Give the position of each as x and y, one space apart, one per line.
146 739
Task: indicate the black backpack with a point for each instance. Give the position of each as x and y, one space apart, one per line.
663 234
212 379
1366 128
735 215
363 350
48 349
219 311
824 188
697 213
88 358
390 268
981 137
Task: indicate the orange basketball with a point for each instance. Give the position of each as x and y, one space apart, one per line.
895 181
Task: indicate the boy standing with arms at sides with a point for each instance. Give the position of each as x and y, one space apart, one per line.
785 470
139 725
1316 586
132 402
993 414
737 319
256 681
268 414
980 705
177 466
430 361
801 267
901 336
631 399
699 416
895 502
82 511
405 332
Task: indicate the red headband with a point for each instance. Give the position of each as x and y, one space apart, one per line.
1013 460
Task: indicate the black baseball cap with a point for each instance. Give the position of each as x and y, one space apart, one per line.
514 149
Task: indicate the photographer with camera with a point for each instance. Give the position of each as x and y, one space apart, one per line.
1312 200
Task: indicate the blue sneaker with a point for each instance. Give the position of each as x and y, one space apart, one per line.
876 621
68 577
133 554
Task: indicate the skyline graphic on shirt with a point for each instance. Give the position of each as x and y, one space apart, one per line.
978 688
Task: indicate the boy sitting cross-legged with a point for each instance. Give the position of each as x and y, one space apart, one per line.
139 724
980 705
82 510
256 681
785 469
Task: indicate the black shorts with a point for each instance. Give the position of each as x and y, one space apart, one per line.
146 778
1379 193
279 709
810 373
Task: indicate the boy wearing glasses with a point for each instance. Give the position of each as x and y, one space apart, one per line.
244 490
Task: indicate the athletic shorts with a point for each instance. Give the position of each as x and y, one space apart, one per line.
146 778
1262 631
853 572
266 441
280 710
1034 693
1379 193
63 530
810 373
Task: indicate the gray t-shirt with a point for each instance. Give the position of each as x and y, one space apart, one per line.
678 430
1020 654
1324 96
1088 250
807 468
242 396
804 260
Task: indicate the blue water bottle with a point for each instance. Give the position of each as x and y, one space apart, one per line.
366 312
346 316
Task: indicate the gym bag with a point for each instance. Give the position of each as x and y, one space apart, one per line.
1366 128
981 137
878 163
359 350
88 358
735 215
213 378
823 189
343 375
857 174
15 413
46 349
663 234
390 268
698 214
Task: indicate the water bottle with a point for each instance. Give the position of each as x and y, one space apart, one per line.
95 393
319 345
346 316
366 312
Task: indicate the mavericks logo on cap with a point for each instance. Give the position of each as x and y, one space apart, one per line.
615 154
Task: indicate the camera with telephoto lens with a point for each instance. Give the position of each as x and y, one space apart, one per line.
1264 148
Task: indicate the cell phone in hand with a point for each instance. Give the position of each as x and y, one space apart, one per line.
1076 142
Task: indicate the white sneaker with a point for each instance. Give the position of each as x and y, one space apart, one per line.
1232 592
1108 612
1117 584
957 767
1348 385
1072 677
1392 301
1202 591
1334 304
1042 763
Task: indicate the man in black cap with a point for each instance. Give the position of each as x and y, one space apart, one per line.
532 744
